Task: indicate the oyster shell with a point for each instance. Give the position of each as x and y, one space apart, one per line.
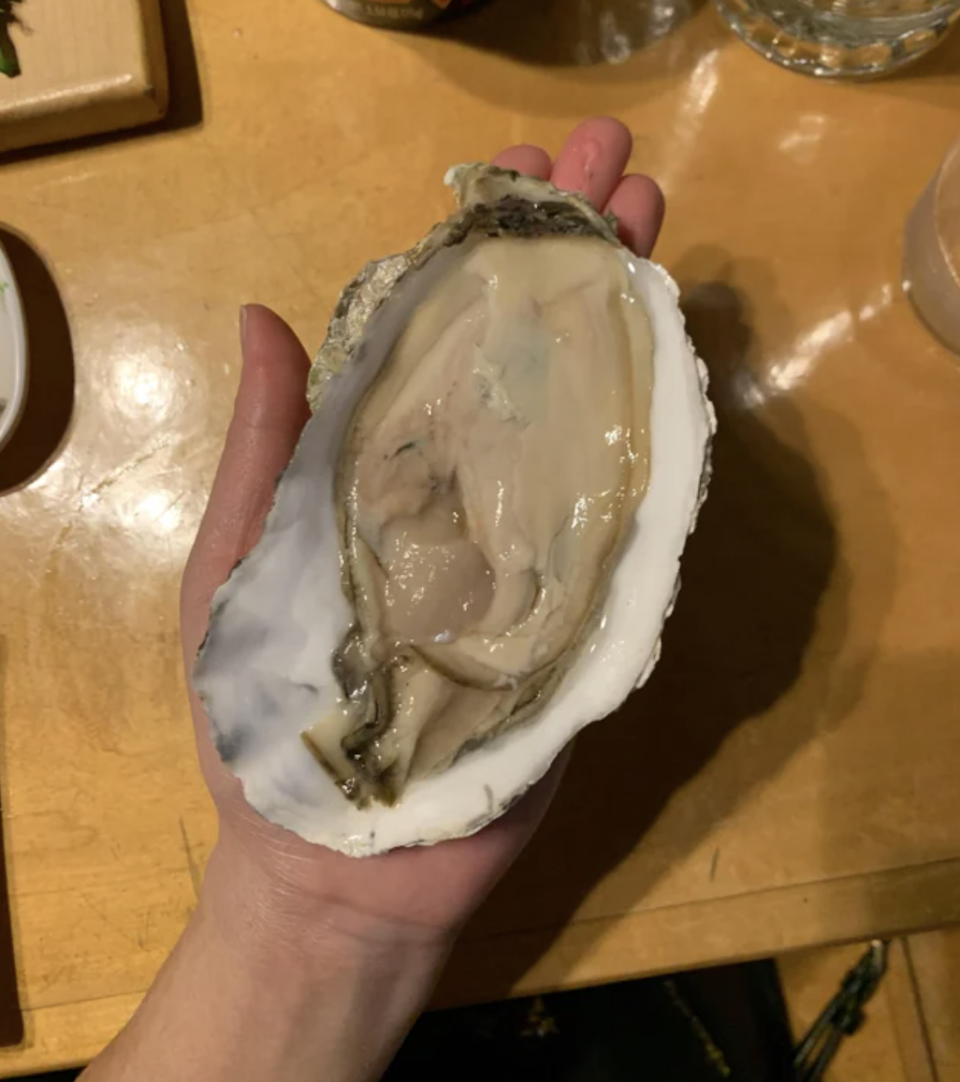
476 544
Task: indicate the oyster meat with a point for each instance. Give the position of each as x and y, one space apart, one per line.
476 544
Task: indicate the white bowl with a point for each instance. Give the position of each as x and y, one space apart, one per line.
13 352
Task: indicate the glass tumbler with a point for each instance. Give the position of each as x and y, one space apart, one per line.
931 252
852 38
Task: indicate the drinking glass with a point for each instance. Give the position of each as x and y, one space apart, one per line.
858 38
931 252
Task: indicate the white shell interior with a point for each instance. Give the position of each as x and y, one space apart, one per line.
13 352
265 671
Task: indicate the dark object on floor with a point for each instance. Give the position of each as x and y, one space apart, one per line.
11 1017
842 1016
709 1026
727 1023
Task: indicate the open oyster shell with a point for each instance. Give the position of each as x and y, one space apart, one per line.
403 654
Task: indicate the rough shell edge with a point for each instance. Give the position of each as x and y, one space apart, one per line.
474 186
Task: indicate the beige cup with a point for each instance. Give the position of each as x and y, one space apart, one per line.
931 252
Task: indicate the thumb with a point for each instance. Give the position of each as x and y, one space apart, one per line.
268 417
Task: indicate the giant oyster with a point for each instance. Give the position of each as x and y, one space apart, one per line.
476 544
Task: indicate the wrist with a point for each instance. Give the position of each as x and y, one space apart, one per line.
268 982
284 897
335 984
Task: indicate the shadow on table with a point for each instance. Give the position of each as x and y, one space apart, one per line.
11 1018
709 1026
539 57
56 1076
569 32
755 573
49 406
942 63
186 98
185 109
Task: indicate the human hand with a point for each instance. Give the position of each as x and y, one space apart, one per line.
417 896
300 963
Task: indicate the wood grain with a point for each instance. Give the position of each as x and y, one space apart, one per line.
935 964
890 1046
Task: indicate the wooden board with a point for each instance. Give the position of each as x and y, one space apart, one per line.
891 1044
787 779
935 964
912 1029
84 69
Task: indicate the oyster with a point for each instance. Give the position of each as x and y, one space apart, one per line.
476 544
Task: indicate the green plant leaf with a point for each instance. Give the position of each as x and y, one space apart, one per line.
9 61
9 65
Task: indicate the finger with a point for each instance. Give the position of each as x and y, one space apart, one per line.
638 205
529 160
269 414
593 159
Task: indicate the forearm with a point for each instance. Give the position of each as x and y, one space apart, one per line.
244 997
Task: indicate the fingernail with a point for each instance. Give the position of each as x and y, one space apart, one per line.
243 327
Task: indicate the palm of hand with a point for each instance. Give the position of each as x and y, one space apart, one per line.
424 893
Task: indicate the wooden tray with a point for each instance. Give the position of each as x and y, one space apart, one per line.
84 69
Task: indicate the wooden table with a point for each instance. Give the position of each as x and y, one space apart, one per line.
788 778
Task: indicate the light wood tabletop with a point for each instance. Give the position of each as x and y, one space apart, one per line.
788 777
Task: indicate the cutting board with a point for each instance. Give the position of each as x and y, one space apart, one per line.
85 68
